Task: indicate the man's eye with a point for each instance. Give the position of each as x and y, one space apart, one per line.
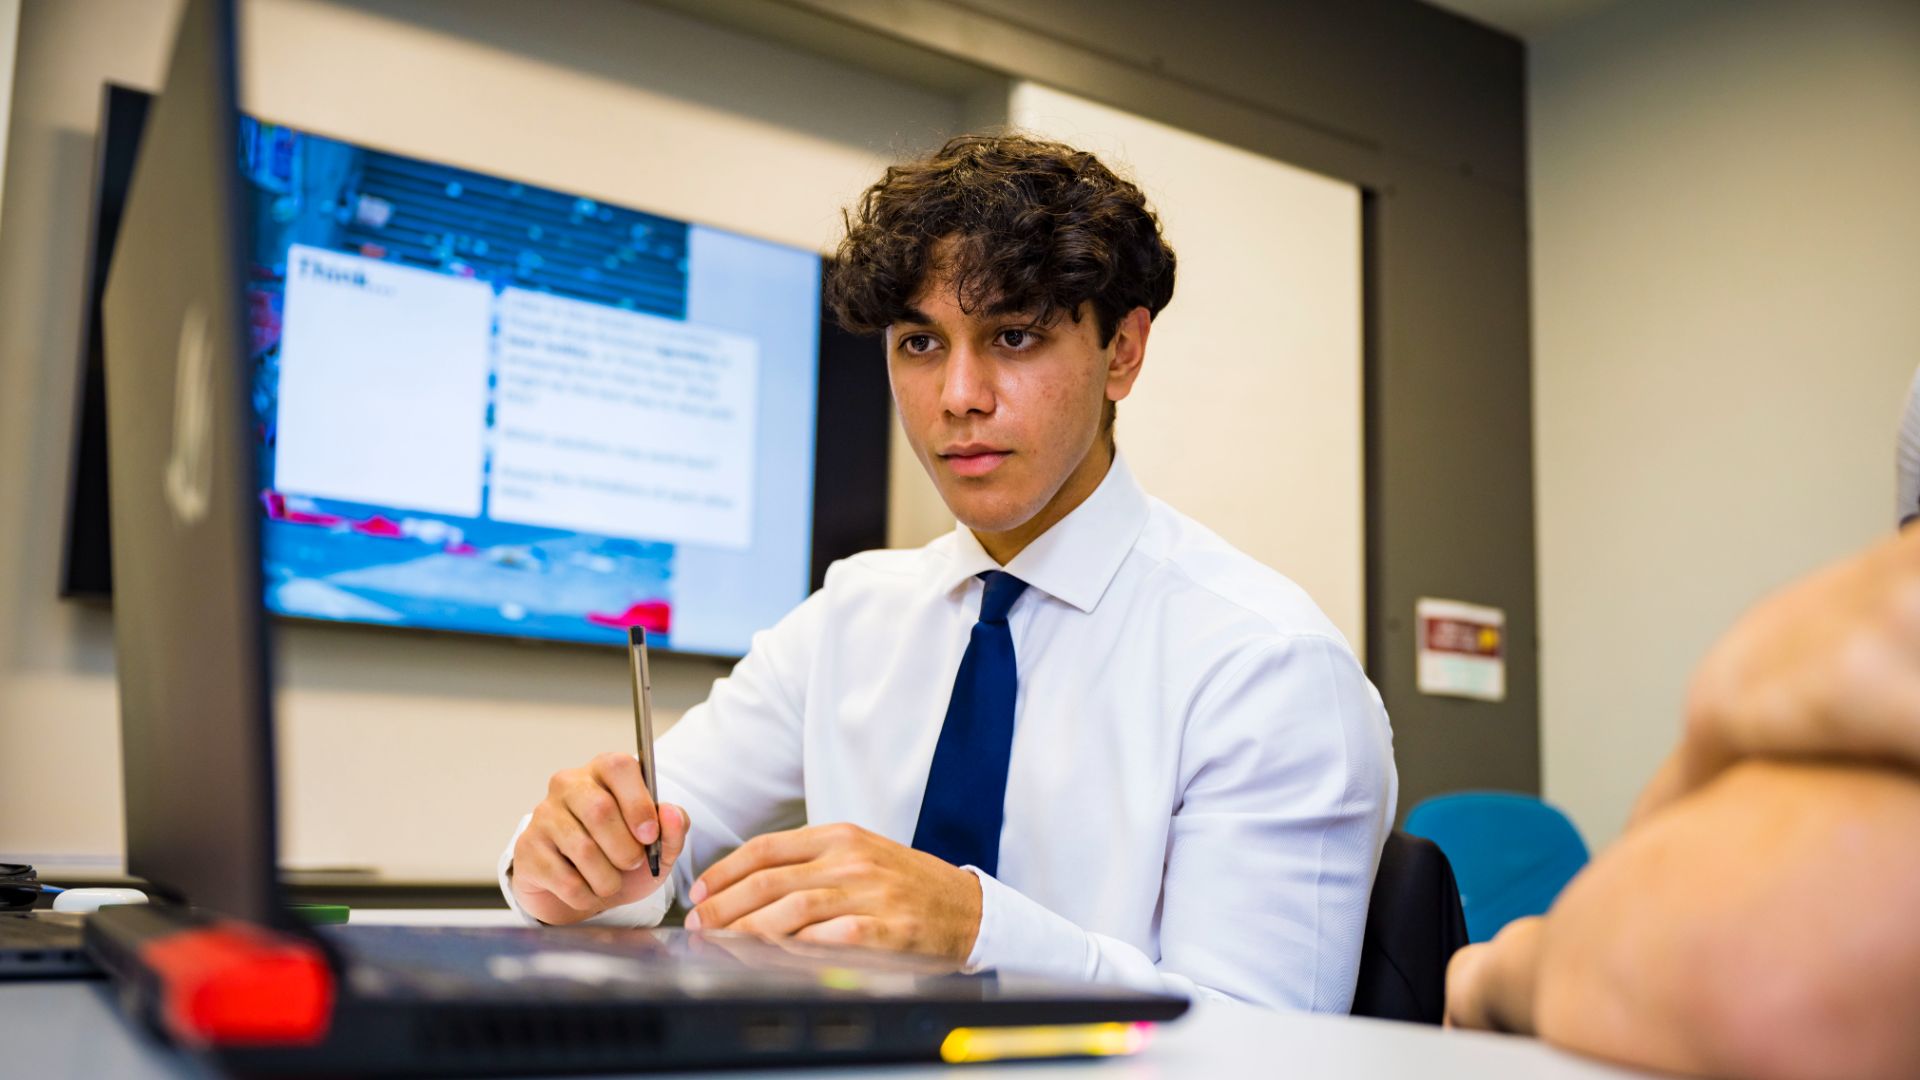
1017 338
917 343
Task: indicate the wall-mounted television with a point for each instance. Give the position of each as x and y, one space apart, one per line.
490 407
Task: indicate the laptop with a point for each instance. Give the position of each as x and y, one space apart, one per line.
36 944
218 964
42 945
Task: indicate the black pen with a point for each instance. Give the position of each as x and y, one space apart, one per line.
643 734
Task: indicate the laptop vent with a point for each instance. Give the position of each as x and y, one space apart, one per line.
574 1032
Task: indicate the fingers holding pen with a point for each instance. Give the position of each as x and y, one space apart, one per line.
584 848
620 776
639 883
674 823
546 883
598 814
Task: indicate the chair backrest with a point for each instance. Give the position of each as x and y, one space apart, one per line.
1414 926
1511 853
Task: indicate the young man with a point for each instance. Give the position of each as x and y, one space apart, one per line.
1080 735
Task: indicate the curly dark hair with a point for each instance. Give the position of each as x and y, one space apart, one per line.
1035 226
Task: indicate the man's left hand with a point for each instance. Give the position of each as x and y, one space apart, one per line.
841 884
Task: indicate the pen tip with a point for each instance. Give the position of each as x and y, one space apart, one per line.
636 635
653 863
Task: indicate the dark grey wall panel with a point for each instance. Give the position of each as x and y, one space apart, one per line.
1389 75
1450 493
1426 112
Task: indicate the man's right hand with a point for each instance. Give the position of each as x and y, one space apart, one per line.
586 848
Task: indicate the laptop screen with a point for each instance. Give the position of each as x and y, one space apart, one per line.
196 733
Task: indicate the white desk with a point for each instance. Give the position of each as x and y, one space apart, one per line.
59 1029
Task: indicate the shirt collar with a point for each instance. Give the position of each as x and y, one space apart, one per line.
1075 560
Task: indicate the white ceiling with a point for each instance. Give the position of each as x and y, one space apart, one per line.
1524 19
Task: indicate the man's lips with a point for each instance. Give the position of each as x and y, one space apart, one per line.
974 459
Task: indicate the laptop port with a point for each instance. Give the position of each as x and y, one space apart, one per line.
768 1033
842 1032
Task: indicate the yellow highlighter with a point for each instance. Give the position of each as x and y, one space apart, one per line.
975 1044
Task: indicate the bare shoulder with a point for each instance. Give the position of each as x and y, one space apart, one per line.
1763 925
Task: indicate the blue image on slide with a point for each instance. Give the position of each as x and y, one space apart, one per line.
360 562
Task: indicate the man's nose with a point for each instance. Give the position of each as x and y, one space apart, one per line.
969 382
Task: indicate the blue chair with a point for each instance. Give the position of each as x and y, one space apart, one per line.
1512 854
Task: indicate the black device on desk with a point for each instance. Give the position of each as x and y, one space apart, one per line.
42 945
36 944
220 965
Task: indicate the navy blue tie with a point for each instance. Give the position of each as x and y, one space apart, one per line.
967 786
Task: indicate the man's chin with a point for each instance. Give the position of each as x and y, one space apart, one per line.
989 515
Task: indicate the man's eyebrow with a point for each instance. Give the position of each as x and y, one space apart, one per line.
1003 308
913 316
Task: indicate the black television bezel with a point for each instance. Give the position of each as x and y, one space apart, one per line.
852 415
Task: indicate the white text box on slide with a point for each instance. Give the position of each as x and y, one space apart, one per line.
613 422
383 383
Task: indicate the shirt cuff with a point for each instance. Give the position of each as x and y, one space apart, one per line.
646 912
1019 935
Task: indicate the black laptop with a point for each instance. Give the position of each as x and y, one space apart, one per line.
219 965
42 945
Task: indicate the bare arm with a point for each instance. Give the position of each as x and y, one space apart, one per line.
1826 667
1760 926
1757 917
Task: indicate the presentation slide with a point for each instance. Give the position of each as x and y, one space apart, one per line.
495 408
395 360
621 423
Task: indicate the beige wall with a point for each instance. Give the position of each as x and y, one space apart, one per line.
405 752
1726 230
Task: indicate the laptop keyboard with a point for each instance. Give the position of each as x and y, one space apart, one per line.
596 963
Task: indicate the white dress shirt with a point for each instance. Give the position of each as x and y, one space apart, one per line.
1201 775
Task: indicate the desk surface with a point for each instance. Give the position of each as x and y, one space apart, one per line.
58 1029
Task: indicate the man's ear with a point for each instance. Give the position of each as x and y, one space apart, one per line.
1129 352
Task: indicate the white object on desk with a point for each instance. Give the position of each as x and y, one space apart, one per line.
91 900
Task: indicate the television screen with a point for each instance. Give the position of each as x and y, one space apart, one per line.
492 407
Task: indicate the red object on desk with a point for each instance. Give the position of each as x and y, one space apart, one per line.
234 985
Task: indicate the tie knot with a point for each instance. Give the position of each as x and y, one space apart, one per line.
1002 590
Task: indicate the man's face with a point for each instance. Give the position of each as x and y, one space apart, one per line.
1003 412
